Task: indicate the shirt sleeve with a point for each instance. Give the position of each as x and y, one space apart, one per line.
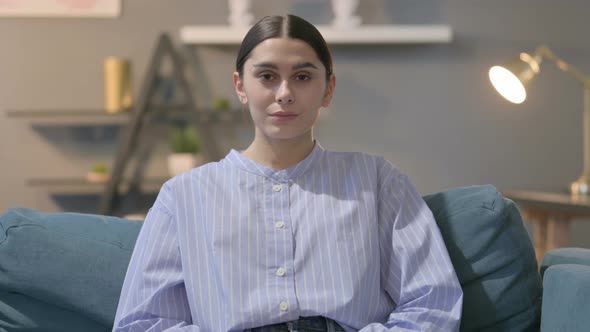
416 270
153 297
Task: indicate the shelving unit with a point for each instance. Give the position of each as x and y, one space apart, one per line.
68 117
74 186
144 113
364 34
102 118
81 186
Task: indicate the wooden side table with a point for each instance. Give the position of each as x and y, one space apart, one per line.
550 213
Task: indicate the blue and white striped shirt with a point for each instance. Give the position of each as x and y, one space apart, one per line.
234 244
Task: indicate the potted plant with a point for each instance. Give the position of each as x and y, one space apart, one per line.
186 150
221 104
98 173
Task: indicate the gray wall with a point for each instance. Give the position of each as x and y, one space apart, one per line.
429 109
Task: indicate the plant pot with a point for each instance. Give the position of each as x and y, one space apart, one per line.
182 162
96 177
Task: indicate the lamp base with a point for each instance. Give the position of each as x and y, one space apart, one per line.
581 187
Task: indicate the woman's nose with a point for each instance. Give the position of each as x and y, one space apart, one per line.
284 95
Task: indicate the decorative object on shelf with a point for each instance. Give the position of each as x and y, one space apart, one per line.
344 16
118 92
99 173
186 150
60 8
511 80
239 13
221 104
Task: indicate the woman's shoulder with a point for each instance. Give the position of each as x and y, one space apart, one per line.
175 188
209 170
366 160
372 167
352 156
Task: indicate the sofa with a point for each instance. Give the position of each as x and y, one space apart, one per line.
64 271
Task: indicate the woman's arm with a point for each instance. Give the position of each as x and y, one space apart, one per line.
153 297
416 270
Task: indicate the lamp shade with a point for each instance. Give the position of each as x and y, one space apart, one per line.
511 79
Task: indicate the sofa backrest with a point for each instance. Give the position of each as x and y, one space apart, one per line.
493 256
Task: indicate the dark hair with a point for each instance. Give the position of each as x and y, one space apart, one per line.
289 26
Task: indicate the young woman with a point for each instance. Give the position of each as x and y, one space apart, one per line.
286 236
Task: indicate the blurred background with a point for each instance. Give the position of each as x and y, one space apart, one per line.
428 108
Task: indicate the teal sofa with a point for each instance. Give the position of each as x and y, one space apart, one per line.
64 271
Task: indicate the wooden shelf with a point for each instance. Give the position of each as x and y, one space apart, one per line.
70 117
102 118
81 186
364 34
207 116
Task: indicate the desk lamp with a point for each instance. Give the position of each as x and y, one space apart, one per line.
511 80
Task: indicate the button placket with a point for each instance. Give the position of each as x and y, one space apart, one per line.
282 242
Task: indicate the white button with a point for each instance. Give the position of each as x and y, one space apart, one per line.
280 224
276 187
284 306
280 271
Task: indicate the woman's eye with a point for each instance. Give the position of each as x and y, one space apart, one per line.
266 77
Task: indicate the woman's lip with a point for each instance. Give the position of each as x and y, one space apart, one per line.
283 113
283 117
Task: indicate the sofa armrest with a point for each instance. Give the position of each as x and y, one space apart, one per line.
565 256
565 298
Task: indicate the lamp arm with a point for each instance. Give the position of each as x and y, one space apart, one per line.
546 52
582 185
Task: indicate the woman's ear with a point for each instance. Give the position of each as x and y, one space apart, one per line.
329 91
239 87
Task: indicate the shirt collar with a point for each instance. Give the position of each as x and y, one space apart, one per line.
236 159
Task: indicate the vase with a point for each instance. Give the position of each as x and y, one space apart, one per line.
117 84
239 13
344 13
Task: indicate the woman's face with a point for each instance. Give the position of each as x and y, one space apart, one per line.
284 84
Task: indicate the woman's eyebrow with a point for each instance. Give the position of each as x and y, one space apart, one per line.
266 65
304 65
275 67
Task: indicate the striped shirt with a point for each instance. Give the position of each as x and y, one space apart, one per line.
234 244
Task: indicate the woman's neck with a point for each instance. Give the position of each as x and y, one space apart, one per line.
279 154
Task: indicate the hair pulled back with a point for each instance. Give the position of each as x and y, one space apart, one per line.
289 26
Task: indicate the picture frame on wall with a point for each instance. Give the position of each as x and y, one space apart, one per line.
60 8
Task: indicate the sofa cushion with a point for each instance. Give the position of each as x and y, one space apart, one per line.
493 257
76 262
19 313
565 298
580 256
